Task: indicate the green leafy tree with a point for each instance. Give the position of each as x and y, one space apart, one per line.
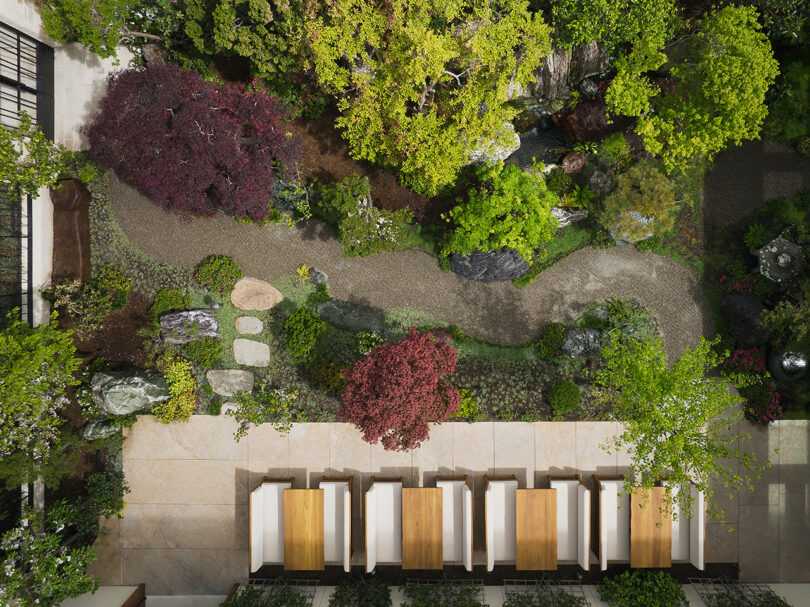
28 159
678 421
38 569
719 100
642 205
36 368
267 33
421 84
512 208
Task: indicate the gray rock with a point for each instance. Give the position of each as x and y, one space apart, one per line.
317 277
600 182
580 341
352 317
544 143
255 294
125 392
227 382
565 67
787 366
565 217
288 194
589 88
229 406
744 315
100 428
189 325
494 150
248 325
251 353
489 266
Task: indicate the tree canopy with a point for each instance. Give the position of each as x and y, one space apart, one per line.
36 368
28 159
421 84
678 421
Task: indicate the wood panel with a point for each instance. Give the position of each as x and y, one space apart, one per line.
650 529
536 529
422 528
303 529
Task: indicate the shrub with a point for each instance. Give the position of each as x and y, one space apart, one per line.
326 375
366 341
617 149
733 597
182 395
558 181
185 157
365 592
334 201
166 301
397 388
303 328
276 595
115 286
563 397
755 237
302 102
551 340
267 405
205 351
643 204
648 244
440 595
642 588
468 408
512 208
103 497
544 596
218 273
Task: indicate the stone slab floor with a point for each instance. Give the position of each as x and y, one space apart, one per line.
185 527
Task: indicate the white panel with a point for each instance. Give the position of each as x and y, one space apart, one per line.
566 518
697 530
493 512
333 520
371 528
501 518
274 521
583 527
468 529
256 530
347 528
603 528
452 520
389 522
616 516
681 525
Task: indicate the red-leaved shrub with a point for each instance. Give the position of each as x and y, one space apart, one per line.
190 145
397 388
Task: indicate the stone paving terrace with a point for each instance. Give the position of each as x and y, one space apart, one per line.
185 526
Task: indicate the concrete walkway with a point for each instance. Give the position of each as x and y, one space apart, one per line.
185 527
498 312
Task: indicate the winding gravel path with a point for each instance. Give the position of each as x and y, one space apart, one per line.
496 312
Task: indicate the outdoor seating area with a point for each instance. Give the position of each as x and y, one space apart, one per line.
426 528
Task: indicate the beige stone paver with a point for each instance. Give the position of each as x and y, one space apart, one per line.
185 529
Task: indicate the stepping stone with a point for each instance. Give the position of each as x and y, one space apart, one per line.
229 406
255 294
251 353
227 382
248 325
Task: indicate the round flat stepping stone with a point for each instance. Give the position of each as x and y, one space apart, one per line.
227 382
255 294
248 325
251 353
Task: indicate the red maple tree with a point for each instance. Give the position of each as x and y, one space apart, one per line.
398 388
190 145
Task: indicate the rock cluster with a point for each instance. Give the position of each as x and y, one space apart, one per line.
489 266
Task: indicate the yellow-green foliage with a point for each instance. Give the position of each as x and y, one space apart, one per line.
645 190
423 75
182 395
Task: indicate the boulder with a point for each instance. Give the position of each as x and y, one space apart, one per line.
251 353
787 366
317 277
489 266
744 315
255 294
229 406
589 88
565 217
573 162
526 121
544 143
188 325
581 341
154 53
566 67
227 382
352 317
493 151
248 325
100 428
600 182
128 391
589 121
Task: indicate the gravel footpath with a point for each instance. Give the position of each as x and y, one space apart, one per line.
496 312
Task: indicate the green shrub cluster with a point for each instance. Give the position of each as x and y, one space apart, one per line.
544 596
217 273
265 405
103 497
366 341
468 408
789 108
303 328
563 398
166 301
617 150
276 595
441 595
206 351
113 284
364 592
551 340
182 395
733 597
558 181
648 244
326 375
642 588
